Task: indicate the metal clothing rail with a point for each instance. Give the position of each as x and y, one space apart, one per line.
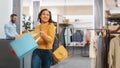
114 33
96 29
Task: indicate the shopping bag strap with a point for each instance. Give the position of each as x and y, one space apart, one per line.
36 35
59 41
37 39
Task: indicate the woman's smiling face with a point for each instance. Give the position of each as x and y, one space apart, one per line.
45 16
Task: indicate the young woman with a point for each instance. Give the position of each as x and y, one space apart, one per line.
41 57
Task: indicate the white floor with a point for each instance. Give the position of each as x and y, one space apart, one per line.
74 62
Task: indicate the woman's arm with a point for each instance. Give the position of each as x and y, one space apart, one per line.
51 34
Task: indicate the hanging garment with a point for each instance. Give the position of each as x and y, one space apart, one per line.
100 52
93 63
77 37
82 35
92 52
67 35
106 50
93 47
114 53
88 37
62 38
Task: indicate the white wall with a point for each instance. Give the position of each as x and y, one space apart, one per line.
71 12
6 10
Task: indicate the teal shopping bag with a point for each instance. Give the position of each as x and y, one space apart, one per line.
24 45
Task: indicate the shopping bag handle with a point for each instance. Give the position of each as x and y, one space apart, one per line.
37 39
36 35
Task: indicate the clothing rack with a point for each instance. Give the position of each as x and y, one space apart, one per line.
64 26
114 32
107 40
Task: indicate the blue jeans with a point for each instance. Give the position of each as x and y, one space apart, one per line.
41 59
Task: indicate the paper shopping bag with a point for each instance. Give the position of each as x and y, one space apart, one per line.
24 45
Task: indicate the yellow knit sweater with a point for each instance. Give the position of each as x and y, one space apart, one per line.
46 41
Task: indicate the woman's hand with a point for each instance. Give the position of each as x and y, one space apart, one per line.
42 33
25 31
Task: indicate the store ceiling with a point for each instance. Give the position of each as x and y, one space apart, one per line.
59 2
